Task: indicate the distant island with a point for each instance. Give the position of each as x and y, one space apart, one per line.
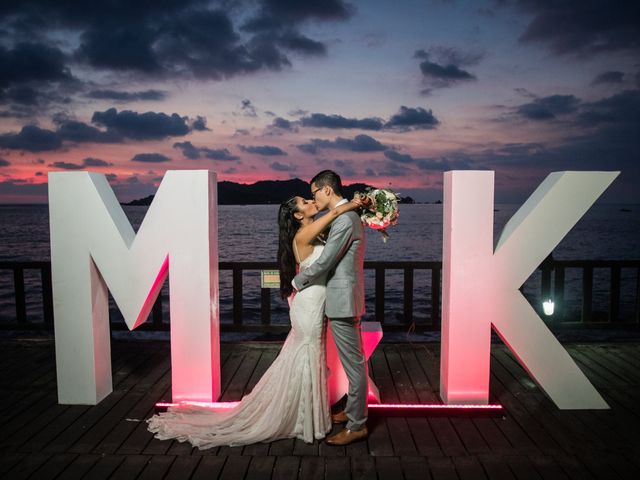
266 192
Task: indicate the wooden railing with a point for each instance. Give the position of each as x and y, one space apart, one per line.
557 269
552 272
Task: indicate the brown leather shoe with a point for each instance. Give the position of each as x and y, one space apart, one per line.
346 436
339 417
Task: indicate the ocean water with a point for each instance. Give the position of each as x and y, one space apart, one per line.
606 232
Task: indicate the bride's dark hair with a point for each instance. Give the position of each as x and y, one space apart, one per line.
288 226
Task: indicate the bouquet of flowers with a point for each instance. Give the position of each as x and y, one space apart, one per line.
380 209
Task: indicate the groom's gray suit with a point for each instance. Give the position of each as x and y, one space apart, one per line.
343 261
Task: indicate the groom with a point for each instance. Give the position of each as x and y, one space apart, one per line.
343 261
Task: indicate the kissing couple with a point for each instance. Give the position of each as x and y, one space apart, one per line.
322 277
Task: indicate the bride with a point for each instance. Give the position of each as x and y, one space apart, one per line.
291 399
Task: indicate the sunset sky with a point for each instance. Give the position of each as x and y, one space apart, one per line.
384 92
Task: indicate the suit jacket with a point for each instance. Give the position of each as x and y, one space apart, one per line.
342 260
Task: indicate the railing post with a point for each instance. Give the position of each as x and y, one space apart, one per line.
614 305
21 304
47 294
380 294
408 295
237 295
265 306
157 312
435 296
587 293
637 295
545 287
558 289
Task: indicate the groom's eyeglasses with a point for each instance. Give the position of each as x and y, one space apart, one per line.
313 193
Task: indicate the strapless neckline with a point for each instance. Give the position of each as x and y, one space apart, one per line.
317 249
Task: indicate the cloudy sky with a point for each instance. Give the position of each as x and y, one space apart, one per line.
384 92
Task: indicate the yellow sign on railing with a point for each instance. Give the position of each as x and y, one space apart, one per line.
269 278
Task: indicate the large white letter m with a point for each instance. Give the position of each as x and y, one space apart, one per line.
94 246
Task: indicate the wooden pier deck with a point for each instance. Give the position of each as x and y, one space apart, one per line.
533 440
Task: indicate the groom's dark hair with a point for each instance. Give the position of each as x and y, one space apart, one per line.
330 178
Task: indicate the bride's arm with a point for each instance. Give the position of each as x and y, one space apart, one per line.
307 234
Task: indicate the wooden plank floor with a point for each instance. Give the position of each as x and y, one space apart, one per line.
534 440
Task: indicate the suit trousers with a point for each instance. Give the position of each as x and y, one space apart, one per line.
348 340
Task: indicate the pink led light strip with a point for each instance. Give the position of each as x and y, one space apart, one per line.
374 406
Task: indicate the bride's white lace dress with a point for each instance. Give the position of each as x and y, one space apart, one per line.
290 400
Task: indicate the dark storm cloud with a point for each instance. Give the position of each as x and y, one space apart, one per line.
608 77
194 38
406 119
447 74
320 120
16 111
398 157
441 164
32 139
360 143
66 165
441 67
119 96
142 126
188 150
583 28
297 42
95 162
621 109
451 56
120 126
150 158
200 124
192 152
32 75
282 123
311 9
32 99
218 154
13 187
599 135
75 131
548 108
275 15
119 47
22 95
282 167
29 62
267 150
412 118
248 110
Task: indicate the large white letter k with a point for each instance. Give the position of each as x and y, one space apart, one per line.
480 285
